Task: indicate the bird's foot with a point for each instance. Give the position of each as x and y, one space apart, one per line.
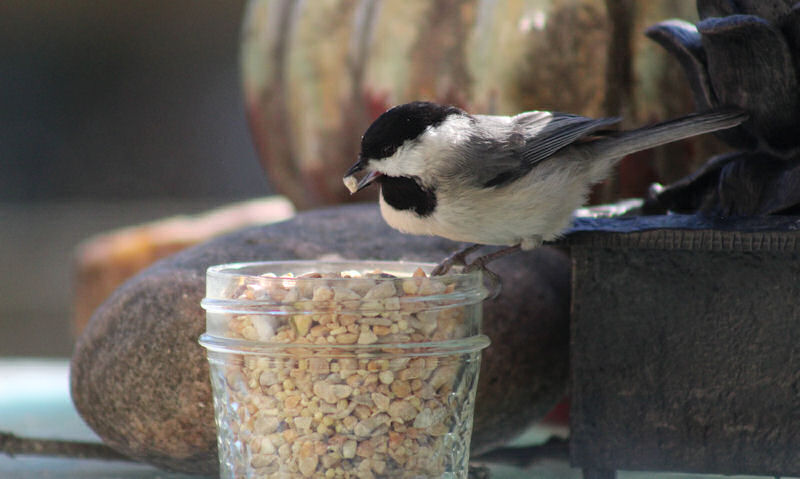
458 258
496 285
481 261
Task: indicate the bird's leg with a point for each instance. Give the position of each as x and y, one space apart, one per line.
494 279
459 257
482 261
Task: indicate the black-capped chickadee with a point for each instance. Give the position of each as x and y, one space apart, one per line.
499 180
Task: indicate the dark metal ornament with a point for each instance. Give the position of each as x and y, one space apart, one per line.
746 54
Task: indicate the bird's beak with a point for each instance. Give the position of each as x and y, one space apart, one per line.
355 185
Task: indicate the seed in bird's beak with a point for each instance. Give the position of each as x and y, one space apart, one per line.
355 186
350 180
351 183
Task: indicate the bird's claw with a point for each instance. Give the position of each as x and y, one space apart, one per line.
482 261
458 258
495 283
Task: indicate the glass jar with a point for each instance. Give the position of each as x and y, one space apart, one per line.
343 369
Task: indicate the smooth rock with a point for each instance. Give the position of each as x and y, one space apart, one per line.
140 379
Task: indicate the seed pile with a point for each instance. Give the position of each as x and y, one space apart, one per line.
381 411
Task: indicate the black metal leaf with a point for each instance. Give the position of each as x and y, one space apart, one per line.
750 66
697 191
748 186
783 194
717 8
772 11
682 40
790 26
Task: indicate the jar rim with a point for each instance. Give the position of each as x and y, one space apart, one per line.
224 297
471 288
427 348
235 269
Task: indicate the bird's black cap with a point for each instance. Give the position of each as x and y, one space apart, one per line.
400 124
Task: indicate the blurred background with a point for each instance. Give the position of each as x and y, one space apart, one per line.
111 114
115 114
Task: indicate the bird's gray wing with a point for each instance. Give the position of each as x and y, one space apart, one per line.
543 136
533 137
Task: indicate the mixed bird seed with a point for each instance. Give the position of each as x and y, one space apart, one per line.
377 409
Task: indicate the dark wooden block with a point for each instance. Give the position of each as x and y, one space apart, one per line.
686 345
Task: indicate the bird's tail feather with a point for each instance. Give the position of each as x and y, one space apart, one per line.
619 145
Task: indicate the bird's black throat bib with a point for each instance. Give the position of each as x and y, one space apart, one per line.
404 193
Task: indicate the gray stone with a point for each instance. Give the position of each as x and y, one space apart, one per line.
140 379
